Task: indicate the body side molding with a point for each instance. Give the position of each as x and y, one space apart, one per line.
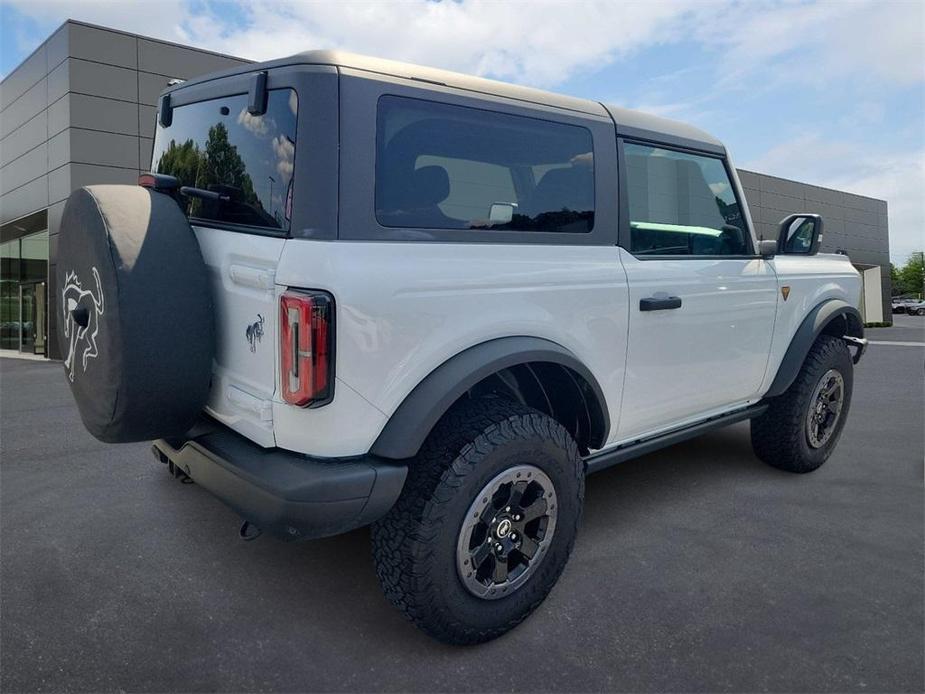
812 327
410 424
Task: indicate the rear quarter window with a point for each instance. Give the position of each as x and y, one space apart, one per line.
218 146
441 166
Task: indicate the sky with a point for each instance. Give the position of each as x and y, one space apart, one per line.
829 93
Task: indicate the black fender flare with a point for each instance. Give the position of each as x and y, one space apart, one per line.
411 423
811 328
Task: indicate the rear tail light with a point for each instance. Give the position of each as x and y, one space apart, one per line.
306 342
159 182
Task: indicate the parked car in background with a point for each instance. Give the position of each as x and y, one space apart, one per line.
915 308
901 305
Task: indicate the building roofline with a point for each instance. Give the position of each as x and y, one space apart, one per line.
156 40
34 51
814 185
100 27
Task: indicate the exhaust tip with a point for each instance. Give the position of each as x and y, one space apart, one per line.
249 531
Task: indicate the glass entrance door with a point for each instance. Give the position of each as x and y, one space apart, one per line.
33 318
24 293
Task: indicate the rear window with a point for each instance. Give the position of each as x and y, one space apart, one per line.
450 167
218 146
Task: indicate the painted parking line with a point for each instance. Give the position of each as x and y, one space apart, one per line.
896 344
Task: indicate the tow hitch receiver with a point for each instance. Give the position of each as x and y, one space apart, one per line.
860 343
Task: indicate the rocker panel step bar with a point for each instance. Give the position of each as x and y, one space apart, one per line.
620 454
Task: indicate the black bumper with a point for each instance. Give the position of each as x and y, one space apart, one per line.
288 495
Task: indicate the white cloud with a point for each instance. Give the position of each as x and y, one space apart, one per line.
773 43
258 125
284 149
544 42
895 176
540 43
162 19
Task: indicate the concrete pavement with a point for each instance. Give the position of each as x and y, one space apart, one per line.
697 568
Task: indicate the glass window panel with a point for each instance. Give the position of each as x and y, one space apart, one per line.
451 167
682 204
34 257
9 295
218 146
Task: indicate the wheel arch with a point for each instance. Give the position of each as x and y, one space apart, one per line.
423 407
832 317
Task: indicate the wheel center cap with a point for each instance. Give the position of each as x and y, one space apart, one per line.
504 528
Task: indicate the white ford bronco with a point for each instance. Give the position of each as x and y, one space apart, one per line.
354 291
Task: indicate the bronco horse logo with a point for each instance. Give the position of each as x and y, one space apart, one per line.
254 332
81 319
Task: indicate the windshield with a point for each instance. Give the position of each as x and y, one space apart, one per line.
217 145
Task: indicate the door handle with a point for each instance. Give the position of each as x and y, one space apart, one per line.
665 303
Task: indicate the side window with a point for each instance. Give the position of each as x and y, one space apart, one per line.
451 167
682 204
218 146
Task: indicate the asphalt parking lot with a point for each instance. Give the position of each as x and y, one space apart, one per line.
697 569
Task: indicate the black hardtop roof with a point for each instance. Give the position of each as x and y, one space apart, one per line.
628 121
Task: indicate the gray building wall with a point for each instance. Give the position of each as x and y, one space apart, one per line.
81 110
854 224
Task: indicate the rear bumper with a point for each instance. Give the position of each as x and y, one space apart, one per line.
285 494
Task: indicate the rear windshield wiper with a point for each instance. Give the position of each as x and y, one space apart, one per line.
191 192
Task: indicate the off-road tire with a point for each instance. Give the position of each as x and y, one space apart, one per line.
779 436
414 545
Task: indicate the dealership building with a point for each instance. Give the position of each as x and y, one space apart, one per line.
81 110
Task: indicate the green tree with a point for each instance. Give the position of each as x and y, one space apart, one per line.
910 278
221 164
181 161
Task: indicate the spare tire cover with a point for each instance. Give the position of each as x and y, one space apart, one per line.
135 319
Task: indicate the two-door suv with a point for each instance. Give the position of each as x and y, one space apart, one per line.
354 291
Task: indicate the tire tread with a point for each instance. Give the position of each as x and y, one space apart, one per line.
402 545
776 435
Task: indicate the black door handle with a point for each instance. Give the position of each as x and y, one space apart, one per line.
659 304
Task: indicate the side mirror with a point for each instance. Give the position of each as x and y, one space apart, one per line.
767 248
800 234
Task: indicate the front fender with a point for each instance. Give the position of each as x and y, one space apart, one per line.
816 322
